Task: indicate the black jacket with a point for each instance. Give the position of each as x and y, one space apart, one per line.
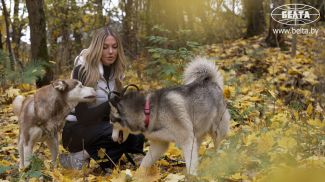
92 123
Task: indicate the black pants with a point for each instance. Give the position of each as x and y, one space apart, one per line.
76 137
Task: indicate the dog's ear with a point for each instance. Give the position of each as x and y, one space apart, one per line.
114 114
60 85
128 86
113 109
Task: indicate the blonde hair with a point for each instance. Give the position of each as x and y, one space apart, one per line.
89 73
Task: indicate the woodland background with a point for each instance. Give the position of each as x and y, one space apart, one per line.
274 84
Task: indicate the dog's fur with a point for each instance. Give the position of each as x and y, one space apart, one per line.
42 115
182 114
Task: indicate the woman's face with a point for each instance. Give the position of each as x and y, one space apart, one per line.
109 54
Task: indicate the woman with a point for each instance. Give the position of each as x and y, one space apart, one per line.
86 132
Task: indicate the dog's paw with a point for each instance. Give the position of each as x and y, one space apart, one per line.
53 165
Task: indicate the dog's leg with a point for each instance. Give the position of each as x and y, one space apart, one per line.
220 130
190 150
216 139
156 149
21 151
53 145
35 134
199 141
28 149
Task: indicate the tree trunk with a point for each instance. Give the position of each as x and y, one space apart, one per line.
1 41
77 35
275 39
100 17
17 26
129 28
37 25
64 49
135 28
11 55
16 34
148 21
255 17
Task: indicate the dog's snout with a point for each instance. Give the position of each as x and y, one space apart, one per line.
93 92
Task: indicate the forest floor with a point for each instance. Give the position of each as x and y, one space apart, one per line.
277 104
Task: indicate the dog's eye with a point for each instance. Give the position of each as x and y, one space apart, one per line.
80 86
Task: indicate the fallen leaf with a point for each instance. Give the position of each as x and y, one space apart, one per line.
174 177
147 174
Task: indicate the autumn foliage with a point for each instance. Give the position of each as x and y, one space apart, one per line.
277 128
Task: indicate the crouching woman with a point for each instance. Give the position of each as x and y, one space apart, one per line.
88 130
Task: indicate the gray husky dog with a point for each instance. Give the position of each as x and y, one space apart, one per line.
183 114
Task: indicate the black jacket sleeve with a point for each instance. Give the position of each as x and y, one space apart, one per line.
86 115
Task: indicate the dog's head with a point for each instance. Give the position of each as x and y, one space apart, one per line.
121 115
53 99
119 122
74 90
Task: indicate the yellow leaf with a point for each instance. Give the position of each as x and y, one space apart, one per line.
33 180
310 109
310 77
25 87
13 157
173 151
315 161
57 176
255 99
227 92
250 139
101 153
5 163
279 119
244 58
238 176
174 178
294 71
319 109
287 143
12 92
296 114
147 174
245 90
202 150
163 162
272 93
9 148
316 122
265 143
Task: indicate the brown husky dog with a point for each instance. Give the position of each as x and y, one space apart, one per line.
41 116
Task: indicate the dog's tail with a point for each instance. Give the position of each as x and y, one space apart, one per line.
17 104
201 69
